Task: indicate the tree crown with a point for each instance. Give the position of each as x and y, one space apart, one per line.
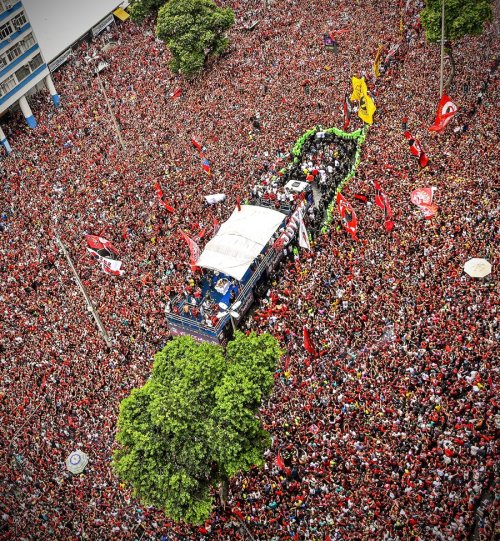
195 422
462 18
193 30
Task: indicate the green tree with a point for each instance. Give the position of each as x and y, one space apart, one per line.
195 423
193 30
140 9
462 18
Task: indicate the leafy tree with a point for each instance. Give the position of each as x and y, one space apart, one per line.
140 9
195 423
193 30
462 18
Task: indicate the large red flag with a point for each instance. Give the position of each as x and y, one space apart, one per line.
382 201
106 253
194 250
100 246
416 149
161 197
422 197
308 345
445 112
348 215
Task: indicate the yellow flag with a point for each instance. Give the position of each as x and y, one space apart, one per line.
357 88
366 107
376 63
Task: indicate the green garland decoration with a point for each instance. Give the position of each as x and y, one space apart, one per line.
359 134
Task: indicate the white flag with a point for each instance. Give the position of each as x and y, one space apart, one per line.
215 198
111 266
303 236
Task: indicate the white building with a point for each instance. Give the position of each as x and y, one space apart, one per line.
36 37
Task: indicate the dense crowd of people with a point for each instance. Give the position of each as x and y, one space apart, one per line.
389 432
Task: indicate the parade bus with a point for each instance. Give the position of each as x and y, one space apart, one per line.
235 267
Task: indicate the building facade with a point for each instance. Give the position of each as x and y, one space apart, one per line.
22 65
36 37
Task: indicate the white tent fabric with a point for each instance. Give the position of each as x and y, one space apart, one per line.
240 240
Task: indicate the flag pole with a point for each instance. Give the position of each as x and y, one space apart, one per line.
90 306
110 109
442 50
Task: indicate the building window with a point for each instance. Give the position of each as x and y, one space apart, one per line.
23 72
35 62
28 42
5 30
19 20
14 52
28 68
5 5
7 85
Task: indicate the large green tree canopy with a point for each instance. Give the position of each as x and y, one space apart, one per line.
193 30
462 18
140 9
195 422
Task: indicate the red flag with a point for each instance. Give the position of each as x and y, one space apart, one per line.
422 197
308 345
378 197
205 164
196 144
216 225
348 215
339 33
416 149
445 112
347 112
194 250
280 462
100 246
201 233
160 194
177 93
105 253
361 197
382 201
236 512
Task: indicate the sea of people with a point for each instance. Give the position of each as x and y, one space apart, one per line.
390 431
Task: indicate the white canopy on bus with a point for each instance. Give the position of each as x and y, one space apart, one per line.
240 240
